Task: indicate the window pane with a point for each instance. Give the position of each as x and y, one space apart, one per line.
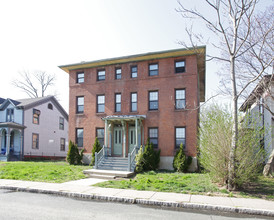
180 94
153 96
180 104
118 98
154 141
179 141
80 100
80 132
134 97
180 133
134 69
153 67
80 108
153 132
118 71
100 133
101 99
118 107
153 105
101 108
180 64
134 106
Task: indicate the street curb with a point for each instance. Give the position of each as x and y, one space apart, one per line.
165 204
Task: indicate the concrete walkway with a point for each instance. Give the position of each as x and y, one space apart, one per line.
84 189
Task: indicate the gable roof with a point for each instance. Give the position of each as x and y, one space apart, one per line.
32 102
8 101
1 100
257 92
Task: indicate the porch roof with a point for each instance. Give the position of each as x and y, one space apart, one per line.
123 117
11 125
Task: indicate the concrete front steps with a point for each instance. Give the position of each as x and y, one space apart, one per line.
107 174
111 168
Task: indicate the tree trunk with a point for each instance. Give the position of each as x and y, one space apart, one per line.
231 168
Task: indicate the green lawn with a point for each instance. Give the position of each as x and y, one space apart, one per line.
54 172
192 183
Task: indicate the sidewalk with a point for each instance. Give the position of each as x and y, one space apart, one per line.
84 189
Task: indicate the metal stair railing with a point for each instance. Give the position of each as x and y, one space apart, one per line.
99 156
131 157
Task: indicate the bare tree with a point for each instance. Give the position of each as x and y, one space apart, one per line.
35 84
230 21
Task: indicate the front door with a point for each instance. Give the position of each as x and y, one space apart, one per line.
131 138
118 146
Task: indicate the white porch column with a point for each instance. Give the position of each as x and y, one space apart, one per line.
8 143
21 146
106 133
136 133
110 139
124 138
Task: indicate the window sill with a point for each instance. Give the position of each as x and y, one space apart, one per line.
79 114
154 110
180 110
101 113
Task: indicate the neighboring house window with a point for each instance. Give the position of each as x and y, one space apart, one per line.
79 137
153 69
61 123
180 137
118 73
153 136
80 104
35 141
153 100
36 116
100 103
117 102
133 102
180 98
50 106
180 66
100 134
134 73
101 75
62 144
80 77
10 114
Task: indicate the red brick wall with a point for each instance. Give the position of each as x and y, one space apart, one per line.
166 118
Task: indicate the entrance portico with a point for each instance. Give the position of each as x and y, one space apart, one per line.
123 133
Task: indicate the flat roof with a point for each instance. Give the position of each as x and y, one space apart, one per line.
199 51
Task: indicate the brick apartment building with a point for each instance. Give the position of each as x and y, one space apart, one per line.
125 100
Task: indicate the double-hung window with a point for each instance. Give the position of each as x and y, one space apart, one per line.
35 141
101 75
100 135
180 98
79 137
100 103
153 69
134 72
153 136
153 100
10 115
61 123
133 102
118 102
180 137
62 144
79 104
118 73
36 116
80 77
180 66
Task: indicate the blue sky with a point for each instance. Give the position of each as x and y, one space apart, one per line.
41 35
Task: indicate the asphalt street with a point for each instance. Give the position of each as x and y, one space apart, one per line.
21 205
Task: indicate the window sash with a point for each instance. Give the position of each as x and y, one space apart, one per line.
153 69
35 141
180 102
179 66
100 103
80 77
80 104
79 137
10 115
62 144
153 96
180 137
153 136
100 134
61 123
134 72
101 75
118 73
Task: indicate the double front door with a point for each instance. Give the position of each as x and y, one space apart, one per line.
118 140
